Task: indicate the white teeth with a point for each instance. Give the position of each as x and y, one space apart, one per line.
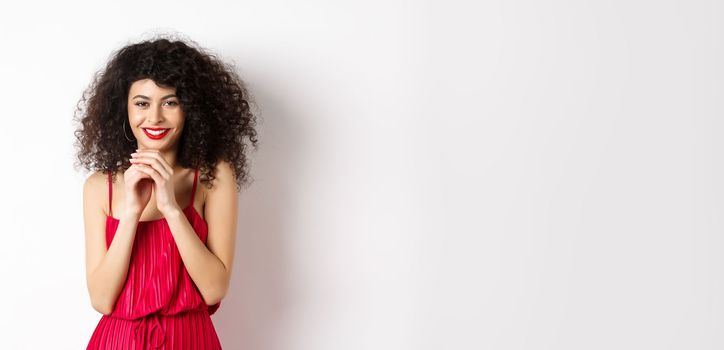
156 133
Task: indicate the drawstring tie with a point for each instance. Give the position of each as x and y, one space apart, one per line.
143 331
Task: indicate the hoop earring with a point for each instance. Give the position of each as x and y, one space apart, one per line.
124 131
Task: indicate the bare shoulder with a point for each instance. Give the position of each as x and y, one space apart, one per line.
94 190
94 182
223 176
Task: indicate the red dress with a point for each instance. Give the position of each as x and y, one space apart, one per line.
159 305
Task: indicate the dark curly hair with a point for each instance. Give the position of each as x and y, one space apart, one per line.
214 99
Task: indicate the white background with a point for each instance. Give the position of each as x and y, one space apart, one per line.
431 175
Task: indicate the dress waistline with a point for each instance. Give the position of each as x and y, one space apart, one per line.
143 332
150 330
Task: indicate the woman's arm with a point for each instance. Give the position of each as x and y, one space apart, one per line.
210 268
106 269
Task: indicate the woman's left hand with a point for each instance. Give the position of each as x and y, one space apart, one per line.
153 164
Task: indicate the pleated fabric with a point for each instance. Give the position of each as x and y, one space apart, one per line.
159 306
187 330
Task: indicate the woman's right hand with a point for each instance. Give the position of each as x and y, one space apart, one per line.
138 188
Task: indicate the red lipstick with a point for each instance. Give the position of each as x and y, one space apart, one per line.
155 135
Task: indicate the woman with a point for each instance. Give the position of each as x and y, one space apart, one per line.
162 117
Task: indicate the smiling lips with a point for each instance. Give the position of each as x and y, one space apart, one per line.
155 133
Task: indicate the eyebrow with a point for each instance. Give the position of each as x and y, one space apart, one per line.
147 98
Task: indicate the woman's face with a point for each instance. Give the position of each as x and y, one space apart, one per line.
155 115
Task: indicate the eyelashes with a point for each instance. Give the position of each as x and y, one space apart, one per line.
143 104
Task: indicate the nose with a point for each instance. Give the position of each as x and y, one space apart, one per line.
155 115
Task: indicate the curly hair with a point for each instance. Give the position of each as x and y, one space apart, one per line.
215 101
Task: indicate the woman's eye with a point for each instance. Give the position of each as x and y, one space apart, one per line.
143 104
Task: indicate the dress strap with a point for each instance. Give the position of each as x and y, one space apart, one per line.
193 190
110 194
